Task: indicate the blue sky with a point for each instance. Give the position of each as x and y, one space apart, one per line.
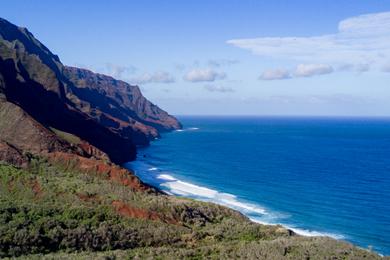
228 57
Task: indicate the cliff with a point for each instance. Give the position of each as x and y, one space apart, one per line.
62 131
109 114
117 105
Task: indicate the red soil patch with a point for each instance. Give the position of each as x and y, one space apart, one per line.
92 150
36 188
109 171
127 211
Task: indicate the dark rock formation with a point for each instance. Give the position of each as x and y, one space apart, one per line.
117 105
11 155
25 133
110 115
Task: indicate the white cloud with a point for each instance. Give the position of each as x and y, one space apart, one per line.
118 71
199 75
114 70
360 40
274 74
308 70
156 77
217 88
302 70
366 24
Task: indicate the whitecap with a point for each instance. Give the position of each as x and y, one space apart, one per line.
174 186
185 188
187 129
300 231
312 233
182 188
255 212
166 177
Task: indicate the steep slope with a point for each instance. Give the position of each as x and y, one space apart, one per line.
10 155
19 131
61 197
71 210
34 79
117 105
23 132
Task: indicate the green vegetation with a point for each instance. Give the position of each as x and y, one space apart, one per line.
48 211
66 136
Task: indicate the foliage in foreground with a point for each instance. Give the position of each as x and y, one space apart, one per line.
48 211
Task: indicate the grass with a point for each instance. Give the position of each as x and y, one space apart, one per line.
49 212
66 136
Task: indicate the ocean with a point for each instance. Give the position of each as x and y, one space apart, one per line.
314 175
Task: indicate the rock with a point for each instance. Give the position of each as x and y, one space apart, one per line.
11 155
118 105
20 130
108 114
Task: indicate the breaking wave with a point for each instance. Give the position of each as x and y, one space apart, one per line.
173 186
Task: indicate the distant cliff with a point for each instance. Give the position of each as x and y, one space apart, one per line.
109 114
117 105
62 196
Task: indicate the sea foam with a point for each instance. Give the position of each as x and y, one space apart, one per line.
183 188
172 185
300 231
188 129
255 212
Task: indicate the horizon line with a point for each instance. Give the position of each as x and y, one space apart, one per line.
280 115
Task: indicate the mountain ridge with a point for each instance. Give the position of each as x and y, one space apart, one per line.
76 100
63 134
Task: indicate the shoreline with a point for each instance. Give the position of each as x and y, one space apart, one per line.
146 177
155 177
177 183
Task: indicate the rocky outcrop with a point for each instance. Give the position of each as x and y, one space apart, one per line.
20 131
108 114
32 79
11 155
117 105
26 134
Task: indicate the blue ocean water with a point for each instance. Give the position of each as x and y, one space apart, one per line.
317 176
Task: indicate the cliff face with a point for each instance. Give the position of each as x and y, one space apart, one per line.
26 134
111 115
117 105
60 194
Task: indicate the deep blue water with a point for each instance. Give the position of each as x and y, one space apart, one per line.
318 176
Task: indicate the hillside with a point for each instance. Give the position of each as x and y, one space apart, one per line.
81 208
109 114
63 133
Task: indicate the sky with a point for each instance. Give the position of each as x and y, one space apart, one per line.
231 57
